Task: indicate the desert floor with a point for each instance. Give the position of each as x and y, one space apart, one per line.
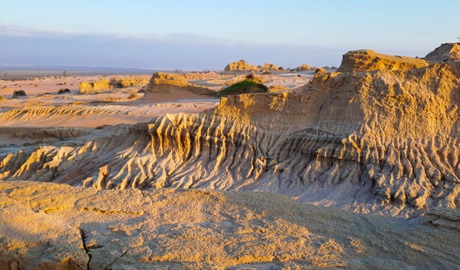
44 107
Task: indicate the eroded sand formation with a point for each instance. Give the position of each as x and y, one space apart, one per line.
104 84
380 137
242 65
388 140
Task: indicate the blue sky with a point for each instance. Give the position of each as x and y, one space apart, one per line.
209 34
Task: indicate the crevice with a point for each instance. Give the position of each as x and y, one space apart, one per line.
108 267
85 247
112 212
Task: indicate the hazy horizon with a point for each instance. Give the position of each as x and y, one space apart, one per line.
207 35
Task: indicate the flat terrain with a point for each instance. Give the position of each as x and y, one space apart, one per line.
44 107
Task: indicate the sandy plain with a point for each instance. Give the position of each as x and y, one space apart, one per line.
44 107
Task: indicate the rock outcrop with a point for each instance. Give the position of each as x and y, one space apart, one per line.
52 226
115 82
268 67
445 52
303 67
239 66
130 81
169 86
95 87
368 60
243 66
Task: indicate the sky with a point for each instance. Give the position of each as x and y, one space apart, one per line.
198 35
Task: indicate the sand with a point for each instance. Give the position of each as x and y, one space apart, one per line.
44 107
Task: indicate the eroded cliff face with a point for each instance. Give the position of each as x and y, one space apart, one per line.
378 141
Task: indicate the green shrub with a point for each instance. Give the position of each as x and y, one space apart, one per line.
243 87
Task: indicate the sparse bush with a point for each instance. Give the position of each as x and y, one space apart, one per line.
19 93
63 91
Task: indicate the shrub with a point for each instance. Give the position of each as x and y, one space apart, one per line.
243 87
19 93
63 91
